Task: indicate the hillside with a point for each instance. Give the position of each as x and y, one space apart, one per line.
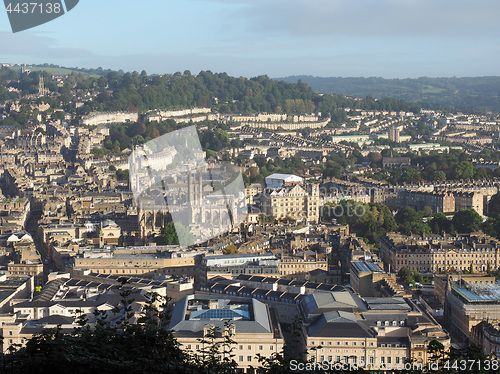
59 70
465 94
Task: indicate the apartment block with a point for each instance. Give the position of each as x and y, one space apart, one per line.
432 253
466 305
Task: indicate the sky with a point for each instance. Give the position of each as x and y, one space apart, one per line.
329 38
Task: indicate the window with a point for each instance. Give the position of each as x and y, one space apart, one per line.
397 360
241 358
271 347
261 348
249 358
389 360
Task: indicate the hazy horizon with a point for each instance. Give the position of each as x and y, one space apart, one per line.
249 77
325 38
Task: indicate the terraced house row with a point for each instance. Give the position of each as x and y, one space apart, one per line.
433 253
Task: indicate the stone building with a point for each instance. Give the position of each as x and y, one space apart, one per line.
300 202
252 325
467 304
433 253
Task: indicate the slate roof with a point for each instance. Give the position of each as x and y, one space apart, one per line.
322 302
338 324
260 322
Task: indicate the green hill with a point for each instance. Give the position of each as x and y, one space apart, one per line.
465 94
59 70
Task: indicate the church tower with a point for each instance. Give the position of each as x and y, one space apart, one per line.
41 87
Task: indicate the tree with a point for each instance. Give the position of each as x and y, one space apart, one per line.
435 350
406 275
463 170
417 276
440 223
58 115
216 352
419 228
168 235
407 215
492 227
280 362
375 158
426 212
438 175
122 175
466 221
264 218
231 249
143 346
410 221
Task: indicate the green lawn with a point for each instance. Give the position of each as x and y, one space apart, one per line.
54 71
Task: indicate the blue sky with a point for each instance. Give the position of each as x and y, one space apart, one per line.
387 38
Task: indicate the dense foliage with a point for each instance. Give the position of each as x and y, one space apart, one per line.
410 277
171 234
455 165
371 221
410 221
118 91
145 346
464 94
